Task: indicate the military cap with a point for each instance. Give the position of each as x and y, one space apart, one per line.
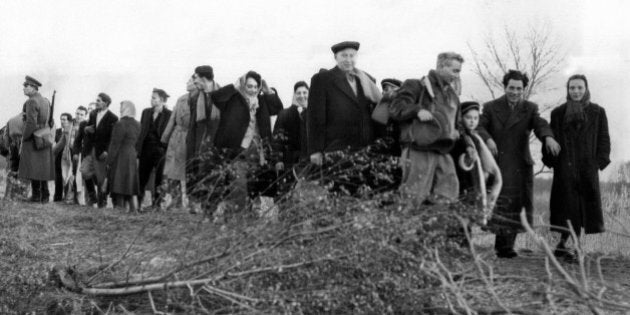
343 45
394 82
28 80
467 106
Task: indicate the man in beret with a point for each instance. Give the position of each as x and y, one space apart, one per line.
36 165
340 105
99 130
151 151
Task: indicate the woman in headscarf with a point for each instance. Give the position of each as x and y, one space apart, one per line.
175 137
581 129
121 159
244 126
289 132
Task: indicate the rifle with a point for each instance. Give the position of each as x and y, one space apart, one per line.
51 116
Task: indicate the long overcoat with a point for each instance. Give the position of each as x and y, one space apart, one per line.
289 135
575 193
35 164
511 129
337 118
121 158
175 135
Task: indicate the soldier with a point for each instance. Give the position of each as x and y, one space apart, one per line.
36 163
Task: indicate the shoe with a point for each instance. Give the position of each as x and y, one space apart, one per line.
35 199
567 255
510 253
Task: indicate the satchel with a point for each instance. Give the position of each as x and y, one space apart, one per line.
381 113
423 133
43 138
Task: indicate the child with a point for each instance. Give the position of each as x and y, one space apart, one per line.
475 165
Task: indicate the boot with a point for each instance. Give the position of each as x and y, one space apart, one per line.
44 191
90 199
36 193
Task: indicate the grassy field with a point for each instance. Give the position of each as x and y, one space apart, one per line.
364 250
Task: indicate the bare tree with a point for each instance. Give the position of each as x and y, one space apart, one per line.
537 53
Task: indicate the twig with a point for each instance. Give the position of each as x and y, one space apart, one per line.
487 282
155 311
121 257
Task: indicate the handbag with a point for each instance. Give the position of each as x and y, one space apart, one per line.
380 114
43 138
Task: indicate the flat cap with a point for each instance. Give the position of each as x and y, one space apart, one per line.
343 45
467 106
28 80
390 81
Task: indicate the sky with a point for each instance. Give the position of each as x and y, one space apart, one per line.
126 48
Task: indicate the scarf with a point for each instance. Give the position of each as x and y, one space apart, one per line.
127 109
201 103
574 115
370 89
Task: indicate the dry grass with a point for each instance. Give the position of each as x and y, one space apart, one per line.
325 255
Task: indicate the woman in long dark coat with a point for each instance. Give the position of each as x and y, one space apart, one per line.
121 159
581 128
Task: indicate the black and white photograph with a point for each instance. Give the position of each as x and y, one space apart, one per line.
314 157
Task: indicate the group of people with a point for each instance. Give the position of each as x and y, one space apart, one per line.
448 150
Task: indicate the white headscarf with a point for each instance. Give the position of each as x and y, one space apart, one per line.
127 109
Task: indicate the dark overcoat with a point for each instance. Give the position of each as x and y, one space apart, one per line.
235 115
99 140
145 125
337 119
511 130
289 135
35 164
121 158
575 193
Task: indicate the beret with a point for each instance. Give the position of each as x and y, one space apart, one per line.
466 106
343 45
31 81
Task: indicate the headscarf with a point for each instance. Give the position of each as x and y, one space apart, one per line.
252 101
574 114
127 109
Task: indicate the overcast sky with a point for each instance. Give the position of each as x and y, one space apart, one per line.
126 48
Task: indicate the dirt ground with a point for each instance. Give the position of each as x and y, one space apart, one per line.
36 237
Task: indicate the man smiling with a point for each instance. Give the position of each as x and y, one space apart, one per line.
506 124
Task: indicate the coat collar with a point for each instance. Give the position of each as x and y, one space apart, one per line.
341 82
508 116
